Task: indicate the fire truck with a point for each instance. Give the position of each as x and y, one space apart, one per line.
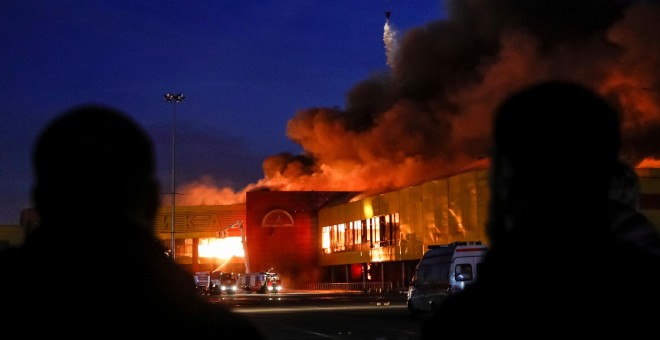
216 282
223 283
260 282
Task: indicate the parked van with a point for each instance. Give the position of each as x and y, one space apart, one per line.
443 270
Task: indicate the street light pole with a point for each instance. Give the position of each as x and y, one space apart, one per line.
174 99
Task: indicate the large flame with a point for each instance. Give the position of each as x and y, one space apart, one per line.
429 113
221 248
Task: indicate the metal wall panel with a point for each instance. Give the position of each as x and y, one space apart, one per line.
440 211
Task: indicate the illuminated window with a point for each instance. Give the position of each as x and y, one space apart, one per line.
375 232
341 236
186 250
350 236
325 239
358 232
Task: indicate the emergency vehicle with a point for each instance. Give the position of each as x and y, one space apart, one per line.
222 282
261 282
443 270
215 282
202 280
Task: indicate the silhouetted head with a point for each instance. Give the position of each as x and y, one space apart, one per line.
94 161
555 147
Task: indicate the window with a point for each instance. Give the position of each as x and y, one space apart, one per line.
325 240
463 272
375 232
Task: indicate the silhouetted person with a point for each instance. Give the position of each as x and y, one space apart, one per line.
554 267
630 224
93 267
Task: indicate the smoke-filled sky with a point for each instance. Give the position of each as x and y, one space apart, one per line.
315 95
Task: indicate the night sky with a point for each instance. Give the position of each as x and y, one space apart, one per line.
307 95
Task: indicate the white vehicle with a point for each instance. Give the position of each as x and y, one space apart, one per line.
261 282
443 270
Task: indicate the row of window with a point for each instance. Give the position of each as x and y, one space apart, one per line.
376 232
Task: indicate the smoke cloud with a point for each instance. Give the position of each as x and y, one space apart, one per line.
430 113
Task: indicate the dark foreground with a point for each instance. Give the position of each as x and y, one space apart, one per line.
326 315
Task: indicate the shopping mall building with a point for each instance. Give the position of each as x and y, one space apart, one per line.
334 237
313 237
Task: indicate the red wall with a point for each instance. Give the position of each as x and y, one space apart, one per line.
293 250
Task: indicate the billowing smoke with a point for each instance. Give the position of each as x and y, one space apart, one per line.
430 114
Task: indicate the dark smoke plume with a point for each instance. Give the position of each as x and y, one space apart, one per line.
430 113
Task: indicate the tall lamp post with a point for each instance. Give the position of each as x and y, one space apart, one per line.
174 99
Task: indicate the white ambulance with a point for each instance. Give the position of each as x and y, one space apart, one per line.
443 270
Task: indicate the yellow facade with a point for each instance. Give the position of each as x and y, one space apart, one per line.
11 235
199 221
649 180
435 212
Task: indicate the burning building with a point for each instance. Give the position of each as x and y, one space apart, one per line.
427 117
348 237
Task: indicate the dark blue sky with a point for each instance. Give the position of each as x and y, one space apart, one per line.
245 67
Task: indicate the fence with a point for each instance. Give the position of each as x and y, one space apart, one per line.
354 286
